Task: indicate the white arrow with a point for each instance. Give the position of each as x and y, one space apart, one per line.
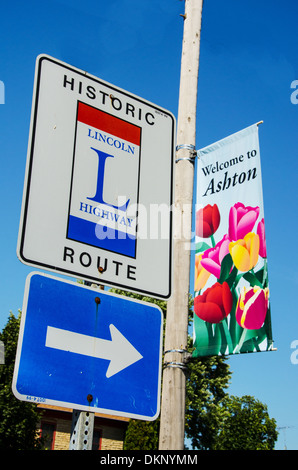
119 351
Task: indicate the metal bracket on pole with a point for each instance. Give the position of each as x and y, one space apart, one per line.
81 430
192 151
180 365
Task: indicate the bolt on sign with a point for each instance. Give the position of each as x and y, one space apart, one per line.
99 181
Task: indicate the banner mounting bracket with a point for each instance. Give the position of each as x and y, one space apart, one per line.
192 152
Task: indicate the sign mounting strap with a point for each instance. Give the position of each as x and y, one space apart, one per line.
192 152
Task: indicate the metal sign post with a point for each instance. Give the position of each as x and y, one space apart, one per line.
81 430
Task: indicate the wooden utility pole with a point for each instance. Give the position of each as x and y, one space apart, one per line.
172 425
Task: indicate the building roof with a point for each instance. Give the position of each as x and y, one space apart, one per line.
70 410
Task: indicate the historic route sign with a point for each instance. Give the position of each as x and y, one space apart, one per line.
99 178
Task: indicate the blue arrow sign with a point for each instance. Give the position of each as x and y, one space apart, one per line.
88 349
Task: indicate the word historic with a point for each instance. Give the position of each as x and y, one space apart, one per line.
228 181
105 98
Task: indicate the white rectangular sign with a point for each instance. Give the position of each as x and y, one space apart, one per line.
98 189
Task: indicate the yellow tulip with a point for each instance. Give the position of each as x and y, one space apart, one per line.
201 274
245 252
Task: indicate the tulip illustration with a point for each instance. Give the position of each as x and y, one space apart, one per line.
214 304
201 275
233 315
212 258
252 307
261 233
207 221
245 252
241 220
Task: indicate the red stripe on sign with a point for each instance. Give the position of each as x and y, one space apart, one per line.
107 123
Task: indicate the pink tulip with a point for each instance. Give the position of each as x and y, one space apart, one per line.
252 307
212 258
242 220
261 233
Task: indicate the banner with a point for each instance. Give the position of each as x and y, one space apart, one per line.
231 303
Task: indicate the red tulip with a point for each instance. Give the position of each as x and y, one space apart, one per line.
207 221
214 304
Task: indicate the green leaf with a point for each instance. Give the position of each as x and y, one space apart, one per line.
226 266
235 328
216 340
207 338
232 278
252 279
202 246
226 340
259 275
262 275
203 337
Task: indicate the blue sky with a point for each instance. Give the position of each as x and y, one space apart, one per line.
248 60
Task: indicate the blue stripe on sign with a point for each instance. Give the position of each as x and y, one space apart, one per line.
103 237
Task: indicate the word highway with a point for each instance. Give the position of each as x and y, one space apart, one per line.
105 214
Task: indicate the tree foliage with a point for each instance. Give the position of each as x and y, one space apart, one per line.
142 435
18 420
246 425
206 383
